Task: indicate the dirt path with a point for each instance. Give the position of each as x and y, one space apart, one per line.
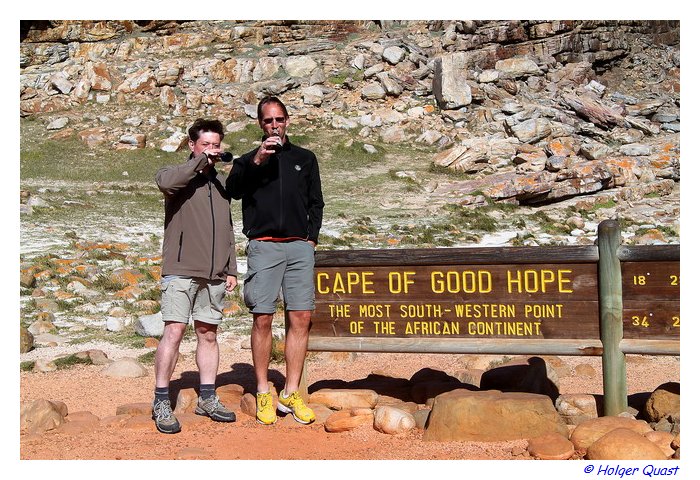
85 388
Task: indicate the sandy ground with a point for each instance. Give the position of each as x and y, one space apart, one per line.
86 388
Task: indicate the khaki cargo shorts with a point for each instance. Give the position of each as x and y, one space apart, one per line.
200 298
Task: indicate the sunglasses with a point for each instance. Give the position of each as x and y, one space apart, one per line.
268 121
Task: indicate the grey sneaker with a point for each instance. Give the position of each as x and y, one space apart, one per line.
214 409
163 415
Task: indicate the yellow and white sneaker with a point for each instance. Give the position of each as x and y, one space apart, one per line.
265 413
295 405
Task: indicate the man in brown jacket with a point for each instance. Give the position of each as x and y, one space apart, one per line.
199 267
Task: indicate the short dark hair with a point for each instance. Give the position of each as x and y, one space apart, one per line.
270 99
201 125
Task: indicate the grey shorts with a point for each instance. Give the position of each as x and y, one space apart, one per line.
275 265
200 297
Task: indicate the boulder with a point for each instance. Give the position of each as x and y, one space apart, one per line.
300 66
93 136
230 395
517 67
664 402
143 80
373 91
313 95
96 357
491 416
26 340
57 124
341 399
40 415
186 400
175 142
321 411
576 408
248 405
532 130
44 365
450 85
41 326
393 420
114 324
595 111
150 325
663 440
624 444
125 367
586 433
345 420
550 446
390 86
393 54
421 418
635 149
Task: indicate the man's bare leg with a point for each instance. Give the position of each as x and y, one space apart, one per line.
261 344
167 352
295 346
207 352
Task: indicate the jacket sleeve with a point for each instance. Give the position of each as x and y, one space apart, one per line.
315 209
236 181
175 177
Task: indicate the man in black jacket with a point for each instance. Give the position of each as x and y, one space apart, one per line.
280 187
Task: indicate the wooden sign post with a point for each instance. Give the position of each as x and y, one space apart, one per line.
556 300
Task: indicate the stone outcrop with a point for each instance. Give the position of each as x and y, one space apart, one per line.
509 83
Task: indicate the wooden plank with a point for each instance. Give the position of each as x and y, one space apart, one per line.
649 253
650 347
651 281
451 256
583 347
652 320
577 319
587 347
462 283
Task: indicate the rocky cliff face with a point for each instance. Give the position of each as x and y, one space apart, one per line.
531 111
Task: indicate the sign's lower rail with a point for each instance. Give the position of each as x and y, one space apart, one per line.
581 347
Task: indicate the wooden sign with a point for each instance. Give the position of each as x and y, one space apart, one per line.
473 294
478 301
606 300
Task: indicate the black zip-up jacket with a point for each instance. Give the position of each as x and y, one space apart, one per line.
198 239
282 197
